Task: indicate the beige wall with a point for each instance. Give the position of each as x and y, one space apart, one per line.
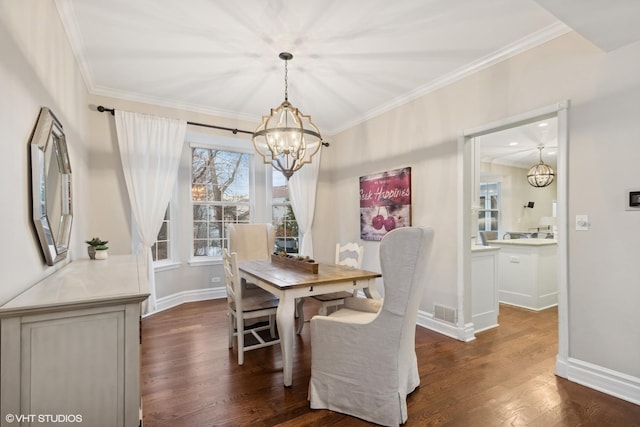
37 69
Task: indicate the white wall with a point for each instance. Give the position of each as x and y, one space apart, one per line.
37 69
604 90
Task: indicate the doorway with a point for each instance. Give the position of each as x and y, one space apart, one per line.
469 195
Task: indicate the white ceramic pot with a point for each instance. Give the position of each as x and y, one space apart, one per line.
103 254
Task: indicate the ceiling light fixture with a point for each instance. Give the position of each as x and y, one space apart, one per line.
286 138
540 175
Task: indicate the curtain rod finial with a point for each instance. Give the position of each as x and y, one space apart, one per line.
110 110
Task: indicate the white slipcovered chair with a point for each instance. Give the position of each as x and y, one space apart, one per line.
245 304
363 363
252 241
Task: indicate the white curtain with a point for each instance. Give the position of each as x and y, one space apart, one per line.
302 191
150 149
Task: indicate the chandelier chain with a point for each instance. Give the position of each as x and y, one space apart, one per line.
286 81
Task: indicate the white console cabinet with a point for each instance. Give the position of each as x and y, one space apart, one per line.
70 347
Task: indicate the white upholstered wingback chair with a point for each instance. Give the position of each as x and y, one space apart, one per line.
252 241
364 363
243 304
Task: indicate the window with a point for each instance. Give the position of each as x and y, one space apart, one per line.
283 217
219 196
489 212
161 248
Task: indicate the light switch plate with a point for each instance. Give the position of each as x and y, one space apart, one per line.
582 222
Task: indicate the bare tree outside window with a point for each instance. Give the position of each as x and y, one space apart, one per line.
220 196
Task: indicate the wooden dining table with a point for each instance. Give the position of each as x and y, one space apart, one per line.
290 284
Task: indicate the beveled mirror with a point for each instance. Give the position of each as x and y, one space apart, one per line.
51 187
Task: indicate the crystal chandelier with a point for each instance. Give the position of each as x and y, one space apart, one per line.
541 175
286 139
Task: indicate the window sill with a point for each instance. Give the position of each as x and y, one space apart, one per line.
166 265
194 262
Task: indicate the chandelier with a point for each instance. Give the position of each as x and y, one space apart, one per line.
286 138
540 175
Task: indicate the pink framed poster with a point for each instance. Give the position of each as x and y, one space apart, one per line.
385 203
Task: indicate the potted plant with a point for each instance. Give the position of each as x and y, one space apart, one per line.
96 244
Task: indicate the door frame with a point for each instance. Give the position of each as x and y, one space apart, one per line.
465 191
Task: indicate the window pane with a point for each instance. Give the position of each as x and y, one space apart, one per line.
162 234
160 249
489 213
284 220
220 192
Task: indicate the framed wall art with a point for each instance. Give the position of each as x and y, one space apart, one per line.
385 203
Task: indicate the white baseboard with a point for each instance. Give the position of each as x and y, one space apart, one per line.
616 384
465 333
174 300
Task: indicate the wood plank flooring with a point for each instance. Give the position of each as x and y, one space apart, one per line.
503 378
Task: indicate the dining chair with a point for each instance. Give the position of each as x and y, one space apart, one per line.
252 241
243 304
363 358
350 255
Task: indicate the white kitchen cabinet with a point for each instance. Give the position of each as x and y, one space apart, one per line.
528 272
70 347
484 287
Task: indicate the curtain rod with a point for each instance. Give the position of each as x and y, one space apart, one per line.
102 109
234 131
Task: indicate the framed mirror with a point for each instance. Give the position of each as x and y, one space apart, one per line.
51 187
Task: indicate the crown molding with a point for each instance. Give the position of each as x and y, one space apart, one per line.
531 41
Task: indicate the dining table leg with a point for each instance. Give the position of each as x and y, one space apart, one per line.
371 291
285 318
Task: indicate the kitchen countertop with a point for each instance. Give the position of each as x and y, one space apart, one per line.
480 248
524 242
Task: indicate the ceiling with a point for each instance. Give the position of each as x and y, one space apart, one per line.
520 146
353 59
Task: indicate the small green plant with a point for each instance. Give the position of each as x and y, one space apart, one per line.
98 244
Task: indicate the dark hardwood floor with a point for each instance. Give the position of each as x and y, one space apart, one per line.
503 378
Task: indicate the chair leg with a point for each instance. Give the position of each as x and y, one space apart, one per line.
299 306
323 309
240 322
231 327
272 325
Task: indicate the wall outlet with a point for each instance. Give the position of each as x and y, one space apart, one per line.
582 222
215 280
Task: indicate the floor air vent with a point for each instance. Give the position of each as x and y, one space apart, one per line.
444 313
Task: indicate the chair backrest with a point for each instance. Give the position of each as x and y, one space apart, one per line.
252 241
350 254
232 278
485 236
404 254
